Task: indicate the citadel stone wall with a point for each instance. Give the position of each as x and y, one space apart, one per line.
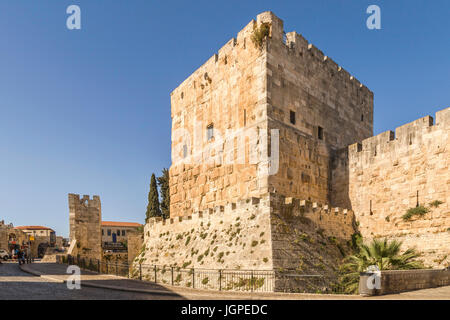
85 216
271 233
223 237
318 108
228 213
227 92
391 173
247 88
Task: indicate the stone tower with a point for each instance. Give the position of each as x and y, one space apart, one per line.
229 114
275 167
85 217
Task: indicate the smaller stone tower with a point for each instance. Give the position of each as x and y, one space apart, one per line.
85 217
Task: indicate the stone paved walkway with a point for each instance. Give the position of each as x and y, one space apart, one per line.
57 272
16 284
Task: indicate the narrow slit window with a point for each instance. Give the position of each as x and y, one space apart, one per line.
210 132
292 117
245 117
320 133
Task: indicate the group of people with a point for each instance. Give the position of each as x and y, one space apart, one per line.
21 255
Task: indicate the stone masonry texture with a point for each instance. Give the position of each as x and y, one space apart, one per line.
85 217
333 177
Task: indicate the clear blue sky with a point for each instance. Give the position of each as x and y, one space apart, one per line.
88 111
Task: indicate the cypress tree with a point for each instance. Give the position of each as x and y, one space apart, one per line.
163 183
153 209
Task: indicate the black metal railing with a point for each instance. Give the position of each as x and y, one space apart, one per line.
210 279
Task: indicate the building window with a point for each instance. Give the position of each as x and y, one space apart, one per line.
123 232
109 232
185 151
292 117
320 133
245 117
103 232
210 132
118 232
362 117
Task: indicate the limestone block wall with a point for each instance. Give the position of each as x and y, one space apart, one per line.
135 240
234 236
302 79
7 230
85 225
391 173
271 233
4 236
318 108
228 93
311 233
304 166
396 281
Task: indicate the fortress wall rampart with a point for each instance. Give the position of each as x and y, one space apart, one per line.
392 173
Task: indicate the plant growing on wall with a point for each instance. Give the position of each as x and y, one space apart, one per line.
417 211
382 253
436 203
260 34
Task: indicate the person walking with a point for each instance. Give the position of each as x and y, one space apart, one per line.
20 256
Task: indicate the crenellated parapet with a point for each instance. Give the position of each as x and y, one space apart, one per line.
297 43
334 221
406 138
252 204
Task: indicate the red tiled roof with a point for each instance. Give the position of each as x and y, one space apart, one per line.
120 224
33 228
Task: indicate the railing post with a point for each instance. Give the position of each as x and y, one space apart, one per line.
98 266
172 275
155 273
140 270
220 279
193 278
107 269
251 281
117 272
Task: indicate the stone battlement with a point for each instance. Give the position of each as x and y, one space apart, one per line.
249 204
331 219
296 42
293 42
75 200
407 135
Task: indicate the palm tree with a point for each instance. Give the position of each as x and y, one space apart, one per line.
383 254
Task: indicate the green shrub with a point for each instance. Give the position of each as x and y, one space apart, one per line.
259 34
417 211
205 281
254 243
436 203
